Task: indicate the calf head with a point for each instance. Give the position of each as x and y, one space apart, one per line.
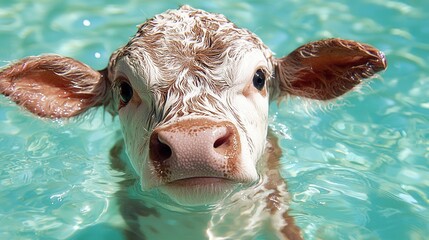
192 92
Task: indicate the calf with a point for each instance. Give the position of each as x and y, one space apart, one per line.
192 92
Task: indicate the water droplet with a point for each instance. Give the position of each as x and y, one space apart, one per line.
86 23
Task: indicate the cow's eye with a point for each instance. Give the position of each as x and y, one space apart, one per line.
125 92
259 79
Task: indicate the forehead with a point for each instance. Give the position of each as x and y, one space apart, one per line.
190 42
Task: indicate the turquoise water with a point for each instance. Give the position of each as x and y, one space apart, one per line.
357 170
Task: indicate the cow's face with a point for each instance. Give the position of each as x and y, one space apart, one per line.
191 91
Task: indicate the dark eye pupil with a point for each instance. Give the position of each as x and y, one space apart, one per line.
259 79
126 92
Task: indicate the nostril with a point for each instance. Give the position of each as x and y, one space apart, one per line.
221 141
164 151
158 150
225 142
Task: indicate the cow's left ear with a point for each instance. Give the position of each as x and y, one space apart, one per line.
326 69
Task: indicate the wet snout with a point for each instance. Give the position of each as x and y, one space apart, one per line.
195 150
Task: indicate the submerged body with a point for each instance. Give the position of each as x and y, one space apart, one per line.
192 92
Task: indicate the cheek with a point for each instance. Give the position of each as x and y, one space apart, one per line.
135 134
127 117
253 110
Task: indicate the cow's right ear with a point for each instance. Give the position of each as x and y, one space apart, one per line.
53 86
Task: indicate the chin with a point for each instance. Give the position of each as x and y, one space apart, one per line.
199 191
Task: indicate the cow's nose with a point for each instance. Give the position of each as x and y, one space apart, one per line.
194 148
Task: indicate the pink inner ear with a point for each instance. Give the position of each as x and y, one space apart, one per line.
50 96
53 86
327 69
59 86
